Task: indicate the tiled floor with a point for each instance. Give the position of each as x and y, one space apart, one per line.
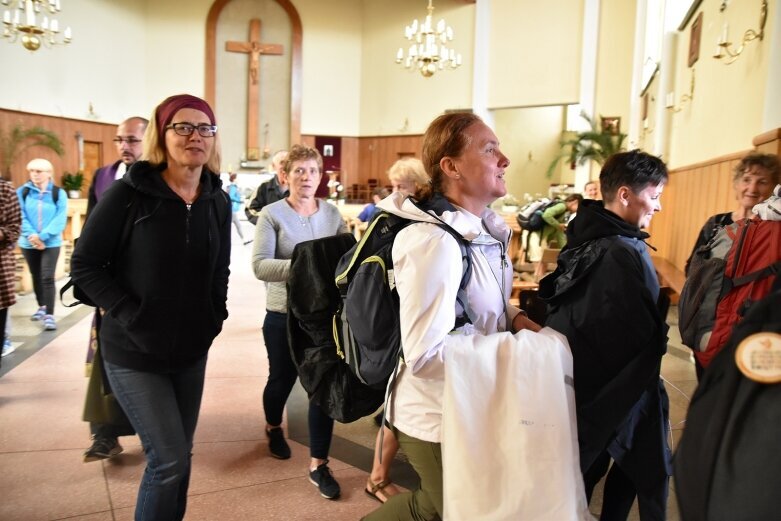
42 438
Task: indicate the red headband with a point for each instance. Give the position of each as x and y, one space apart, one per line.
170 106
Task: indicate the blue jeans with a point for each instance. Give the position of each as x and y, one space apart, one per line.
163 409
282 377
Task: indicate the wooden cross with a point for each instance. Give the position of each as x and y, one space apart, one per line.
254 48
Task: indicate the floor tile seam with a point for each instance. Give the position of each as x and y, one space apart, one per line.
247 485
79 516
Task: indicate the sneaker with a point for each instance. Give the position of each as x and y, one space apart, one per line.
38 315
277 444
321 478
102 448
48 323
8 347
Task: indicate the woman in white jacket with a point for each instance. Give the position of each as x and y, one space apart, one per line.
461 155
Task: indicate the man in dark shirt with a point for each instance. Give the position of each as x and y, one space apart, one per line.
106 419
269 192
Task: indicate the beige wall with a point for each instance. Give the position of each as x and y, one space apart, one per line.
614 60
727 109
535 52
390 95
529 137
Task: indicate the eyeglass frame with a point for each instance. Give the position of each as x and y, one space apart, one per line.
212 129
129 140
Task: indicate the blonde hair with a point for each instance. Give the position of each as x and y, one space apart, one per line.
408 169
156 154
44 165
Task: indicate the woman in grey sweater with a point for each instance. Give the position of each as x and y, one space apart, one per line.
281 225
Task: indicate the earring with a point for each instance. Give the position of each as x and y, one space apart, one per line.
458 176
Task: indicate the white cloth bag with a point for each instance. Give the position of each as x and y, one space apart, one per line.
509 435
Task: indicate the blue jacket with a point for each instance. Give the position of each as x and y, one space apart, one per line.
41 215
235 196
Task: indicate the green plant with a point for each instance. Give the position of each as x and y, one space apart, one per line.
596 144
72 181
20 139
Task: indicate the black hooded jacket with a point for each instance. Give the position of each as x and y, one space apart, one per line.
603 298
165 289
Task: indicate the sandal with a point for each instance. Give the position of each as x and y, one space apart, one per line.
378 490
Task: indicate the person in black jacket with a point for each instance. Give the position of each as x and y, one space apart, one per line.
273 190
154 255
604 297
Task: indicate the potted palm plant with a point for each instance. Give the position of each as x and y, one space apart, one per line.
595 144
72 183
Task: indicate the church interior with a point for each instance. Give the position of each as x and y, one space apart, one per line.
690 81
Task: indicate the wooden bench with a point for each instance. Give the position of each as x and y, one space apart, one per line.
671 278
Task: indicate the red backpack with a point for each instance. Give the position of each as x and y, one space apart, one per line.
752 265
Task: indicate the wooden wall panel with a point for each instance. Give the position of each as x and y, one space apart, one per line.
66 130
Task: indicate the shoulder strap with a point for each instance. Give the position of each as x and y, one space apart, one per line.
127 228
55 193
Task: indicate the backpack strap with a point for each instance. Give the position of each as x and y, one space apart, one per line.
55 193
772 269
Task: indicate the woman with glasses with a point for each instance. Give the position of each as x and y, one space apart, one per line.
281 225
44 214
154 254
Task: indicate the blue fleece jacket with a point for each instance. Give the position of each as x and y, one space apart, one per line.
41 215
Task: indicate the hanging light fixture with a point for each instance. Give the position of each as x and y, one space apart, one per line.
429 51
22 20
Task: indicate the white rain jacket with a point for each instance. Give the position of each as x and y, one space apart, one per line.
427 272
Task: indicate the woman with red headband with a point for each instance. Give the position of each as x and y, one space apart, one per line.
154 255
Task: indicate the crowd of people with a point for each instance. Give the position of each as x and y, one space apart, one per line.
154 258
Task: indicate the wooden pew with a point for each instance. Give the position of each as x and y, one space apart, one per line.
671 279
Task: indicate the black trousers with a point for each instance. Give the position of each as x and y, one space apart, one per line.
619 493
42 264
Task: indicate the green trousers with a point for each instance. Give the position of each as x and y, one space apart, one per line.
424 504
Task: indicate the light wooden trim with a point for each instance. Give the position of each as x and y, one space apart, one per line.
296 69
767 137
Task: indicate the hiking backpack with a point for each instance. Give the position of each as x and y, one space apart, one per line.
530 216
345 338
366 327
735 269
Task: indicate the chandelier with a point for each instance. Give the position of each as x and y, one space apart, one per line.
429 51
22 20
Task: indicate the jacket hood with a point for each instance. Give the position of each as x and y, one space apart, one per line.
439 209
588 236
594 221
148 179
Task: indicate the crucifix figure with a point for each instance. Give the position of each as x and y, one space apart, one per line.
254 48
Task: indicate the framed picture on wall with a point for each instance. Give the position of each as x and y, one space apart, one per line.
611 125
695 35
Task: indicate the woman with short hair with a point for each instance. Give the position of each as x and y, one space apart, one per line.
281 226
44 215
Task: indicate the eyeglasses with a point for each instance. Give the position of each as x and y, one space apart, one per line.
186 129
129 140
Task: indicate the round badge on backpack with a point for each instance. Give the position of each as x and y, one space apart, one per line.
758 357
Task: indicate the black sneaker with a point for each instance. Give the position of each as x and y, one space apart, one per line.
277 444
321 478
102 448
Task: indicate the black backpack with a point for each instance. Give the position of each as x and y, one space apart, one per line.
728 459
328 324
366 327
